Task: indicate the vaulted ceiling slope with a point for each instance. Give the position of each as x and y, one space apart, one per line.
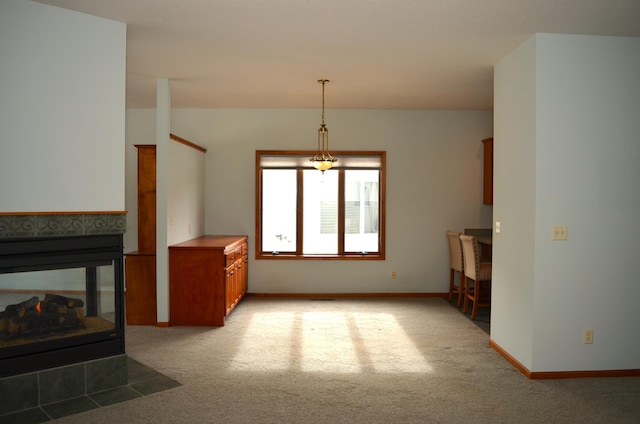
378 54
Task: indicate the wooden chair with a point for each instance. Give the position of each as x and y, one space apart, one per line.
479 272
456 264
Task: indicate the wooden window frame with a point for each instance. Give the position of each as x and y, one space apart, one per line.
346 156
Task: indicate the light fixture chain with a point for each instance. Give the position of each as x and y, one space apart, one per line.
323 81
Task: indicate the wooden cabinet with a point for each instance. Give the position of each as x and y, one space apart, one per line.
208 276
487 183
140 266
141 289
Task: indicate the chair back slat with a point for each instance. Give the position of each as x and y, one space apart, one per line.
470 255
456 260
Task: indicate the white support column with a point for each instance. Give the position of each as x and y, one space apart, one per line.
163 130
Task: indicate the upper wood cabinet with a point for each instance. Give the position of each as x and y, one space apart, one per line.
487 183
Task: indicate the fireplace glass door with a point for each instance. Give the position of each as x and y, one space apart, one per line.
60 303
54 304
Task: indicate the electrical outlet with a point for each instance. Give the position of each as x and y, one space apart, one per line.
394 274
588 335
559 232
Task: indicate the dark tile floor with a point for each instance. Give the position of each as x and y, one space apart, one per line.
142 381
483 317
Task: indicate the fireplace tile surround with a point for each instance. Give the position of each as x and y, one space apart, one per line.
60 224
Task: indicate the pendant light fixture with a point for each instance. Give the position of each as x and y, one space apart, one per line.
323 160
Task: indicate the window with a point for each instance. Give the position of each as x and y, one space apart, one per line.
302 213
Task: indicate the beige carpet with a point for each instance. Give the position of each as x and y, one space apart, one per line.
351 361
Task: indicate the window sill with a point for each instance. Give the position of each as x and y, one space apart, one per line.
345 257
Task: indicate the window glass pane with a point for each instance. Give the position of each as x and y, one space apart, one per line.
320 212
361 210
279 191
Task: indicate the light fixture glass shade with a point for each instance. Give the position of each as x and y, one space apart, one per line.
323 160
323 165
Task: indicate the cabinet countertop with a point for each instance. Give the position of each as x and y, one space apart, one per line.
211 242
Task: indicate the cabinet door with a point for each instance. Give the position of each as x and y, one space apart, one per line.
230 287
243 271
235 283
243 276
140 296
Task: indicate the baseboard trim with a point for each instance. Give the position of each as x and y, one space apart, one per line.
556 375
584 374
345 295
331 295
513 361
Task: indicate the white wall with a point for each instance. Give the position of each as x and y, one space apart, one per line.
186 192
584 131
514 203
434 172
62 110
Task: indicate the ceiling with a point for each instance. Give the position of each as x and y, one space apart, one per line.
378 54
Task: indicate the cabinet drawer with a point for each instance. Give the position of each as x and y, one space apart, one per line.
234 256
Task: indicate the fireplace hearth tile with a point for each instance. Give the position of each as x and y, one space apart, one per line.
120 394
138 372
69 407
157 384
62 383
30 416
106 373
142 381
18 393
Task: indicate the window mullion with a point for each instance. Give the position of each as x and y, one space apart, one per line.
299 212
341 211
